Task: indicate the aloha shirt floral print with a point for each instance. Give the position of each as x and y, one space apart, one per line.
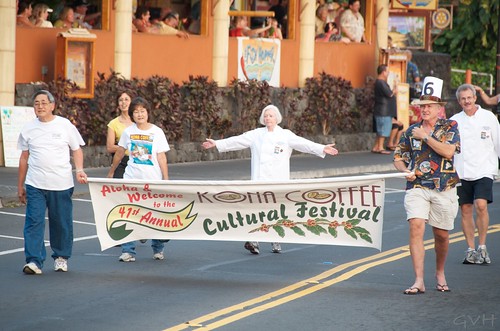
432 170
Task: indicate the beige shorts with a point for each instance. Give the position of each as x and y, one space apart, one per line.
439 209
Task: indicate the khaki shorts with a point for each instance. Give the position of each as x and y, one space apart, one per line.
439 209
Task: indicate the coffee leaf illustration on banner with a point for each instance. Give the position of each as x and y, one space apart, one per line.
317 226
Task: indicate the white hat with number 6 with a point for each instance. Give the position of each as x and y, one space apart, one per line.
431 92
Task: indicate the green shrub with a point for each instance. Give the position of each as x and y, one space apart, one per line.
198 108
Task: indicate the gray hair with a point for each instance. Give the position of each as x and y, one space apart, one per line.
279 118
45 92
465 87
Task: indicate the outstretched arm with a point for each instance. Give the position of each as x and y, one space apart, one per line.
209 143
491 101
329 149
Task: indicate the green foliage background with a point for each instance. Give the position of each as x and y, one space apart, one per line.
472 43
198 108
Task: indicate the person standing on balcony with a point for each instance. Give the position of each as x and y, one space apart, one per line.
23 14
84 20
66 19
271 148
352 23
241 28
40 15
274 31
169 26
141 21
45 181
477 167
321 19
280 14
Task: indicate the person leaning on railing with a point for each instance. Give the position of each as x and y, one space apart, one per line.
23 14
241 28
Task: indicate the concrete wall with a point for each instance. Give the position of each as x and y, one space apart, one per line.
97 156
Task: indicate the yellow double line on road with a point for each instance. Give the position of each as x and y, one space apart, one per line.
305 287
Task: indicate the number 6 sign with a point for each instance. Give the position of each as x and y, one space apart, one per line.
432 86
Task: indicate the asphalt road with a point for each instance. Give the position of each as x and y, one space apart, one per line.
205 285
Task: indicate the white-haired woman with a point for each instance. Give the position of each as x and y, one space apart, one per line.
271 148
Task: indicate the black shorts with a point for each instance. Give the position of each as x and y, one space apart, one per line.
471 190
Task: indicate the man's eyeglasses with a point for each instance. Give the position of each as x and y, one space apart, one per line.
41 104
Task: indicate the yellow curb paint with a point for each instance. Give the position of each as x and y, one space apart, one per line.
364 264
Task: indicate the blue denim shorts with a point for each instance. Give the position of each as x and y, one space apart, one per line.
383 125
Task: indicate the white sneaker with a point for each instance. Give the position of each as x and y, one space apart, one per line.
31 269
276 247
158 256
482 256
127 257
470 256
61 264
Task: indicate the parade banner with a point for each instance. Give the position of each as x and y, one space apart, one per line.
344 211
259 59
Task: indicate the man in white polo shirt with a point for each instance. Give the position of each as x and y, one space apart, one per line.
477 166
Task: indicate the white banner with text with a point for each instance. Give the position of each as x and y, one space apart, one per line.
345 211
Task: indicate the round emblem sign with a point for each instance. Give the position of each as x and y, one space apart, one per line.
441 18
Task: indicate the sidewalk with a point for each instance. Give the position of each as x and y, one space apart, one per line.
302 166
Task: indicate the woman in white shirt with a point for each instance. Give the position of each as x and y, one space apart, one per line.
271 148
39 16
147 146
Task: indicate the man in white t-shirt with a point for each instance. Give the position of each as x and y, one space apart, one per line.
46 182
476 165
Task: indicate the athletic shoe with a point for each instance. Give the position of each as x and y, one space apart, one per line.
253 247
470 256
61 264
127 257
276 247
482 256
158 256
31 269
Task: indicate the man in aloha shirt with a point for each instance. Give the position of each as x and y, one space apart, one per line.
432 171
425 152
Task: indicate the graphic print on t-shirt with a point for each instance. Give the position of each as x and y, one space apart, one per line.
141 148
